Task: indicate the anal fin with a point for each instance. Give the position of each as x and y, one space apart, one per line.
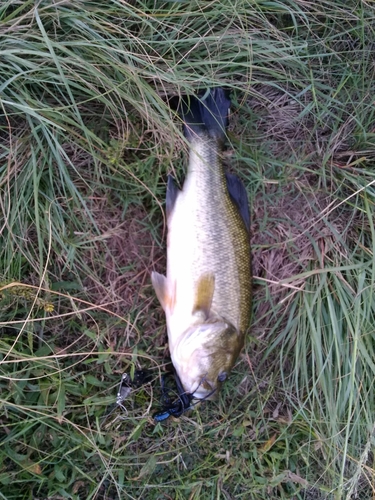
172 193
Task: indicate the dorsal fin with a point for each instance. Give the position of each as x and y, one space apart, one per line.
238 194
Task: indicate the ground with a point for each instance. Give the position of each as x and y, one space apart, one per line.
88 137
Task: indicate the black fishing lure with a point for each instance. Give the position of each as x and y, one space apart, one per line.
178 407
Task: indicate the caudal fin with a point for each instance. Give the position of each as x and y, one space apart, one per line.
207 114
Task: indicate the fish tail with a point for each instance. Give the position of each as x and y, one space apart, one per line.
206 115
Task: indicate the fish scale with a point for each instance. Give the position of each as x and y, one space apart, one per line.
206 293
229 262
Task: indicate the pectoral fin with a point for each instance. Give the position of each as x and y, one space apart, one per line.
203 296
163 291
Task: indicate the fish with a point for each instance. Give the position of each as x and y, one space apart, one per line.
206 293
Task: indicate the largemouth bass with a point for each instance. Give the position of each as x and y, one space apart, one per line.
206 294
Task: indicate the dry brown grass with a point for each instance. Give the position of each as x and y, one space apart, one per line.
128 255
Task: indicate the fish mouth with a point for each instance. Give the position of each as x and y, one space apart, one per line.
203 395
205 389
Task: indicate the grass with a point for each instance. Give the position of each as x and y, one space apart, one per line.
87 140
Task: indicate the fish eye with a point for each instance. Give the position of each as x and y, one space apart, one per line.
222 376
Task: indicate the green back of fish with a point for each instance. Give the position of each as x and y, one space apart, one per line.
223 242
